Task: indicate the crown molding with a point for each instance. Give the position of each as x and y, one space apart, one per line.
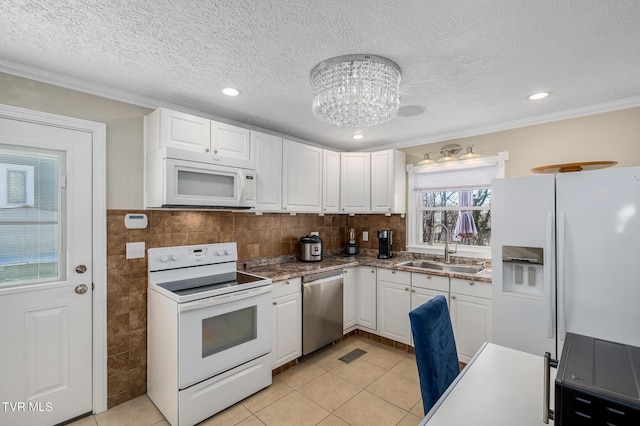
147 102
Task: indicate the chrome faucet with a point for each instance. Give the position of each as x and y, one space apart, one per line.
447 253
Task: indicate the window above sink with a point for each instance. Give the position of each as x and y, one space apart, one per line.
457 196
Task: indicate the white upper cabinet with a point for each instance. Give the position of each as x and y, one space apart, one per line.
268 171
330 182
355 186
168 128
233 142
302 177
388 182
222 143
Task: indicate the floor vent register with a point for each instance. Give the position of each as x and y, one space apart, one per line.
353 355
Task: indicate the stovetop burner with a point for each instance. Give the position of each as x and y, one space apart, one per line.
209 283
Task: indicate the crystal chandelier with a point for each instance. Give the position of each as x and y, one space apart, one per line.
355 90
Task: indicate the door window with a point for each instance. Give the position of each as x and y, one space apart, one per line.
30 221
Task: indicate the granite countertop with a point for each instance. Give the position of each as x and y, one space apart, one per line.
288 267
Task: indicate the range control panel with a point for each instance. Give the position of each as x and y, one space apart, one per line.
185 256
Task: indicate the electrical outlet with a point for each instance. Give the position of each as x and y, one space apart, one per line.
365 235
315 233
135 250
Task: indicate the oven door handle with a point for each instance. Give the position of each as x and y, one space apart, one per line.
224 298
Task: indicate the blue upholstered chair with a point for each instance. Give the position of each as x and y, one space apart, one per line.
435 347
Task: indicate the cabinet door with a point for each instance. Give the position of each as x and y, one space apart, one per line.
286 329
393 311
330 182
268 171
423 295
233 143
179 130
355 176
302 177
388 182
350 297
367 305
472 323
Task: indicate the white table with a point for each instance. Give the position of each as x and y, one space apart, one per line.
499 386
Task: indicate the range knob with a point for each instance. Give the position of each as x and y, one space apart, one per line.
227 252
220 253
164 258
175 257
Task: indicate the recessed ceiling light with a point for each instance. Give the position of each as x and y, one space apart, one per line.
537 96
358 136
230 91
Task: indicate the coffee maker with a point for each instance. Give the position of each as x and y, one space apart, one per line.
385 241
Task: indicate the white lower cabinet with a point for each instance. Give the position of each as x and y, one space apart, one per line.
471 317
366 297
394 302
349 298
286 322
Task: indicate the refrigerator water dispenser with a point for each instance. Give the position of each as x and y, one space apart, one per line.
523 270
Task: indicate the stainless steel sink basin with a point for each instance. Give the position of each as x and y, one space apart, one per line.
445 267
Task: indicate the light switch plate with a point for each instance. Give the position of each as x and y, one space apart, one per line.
365 235
135 250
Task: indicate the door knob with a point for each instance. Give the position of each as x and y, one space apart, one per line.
81 269
81 288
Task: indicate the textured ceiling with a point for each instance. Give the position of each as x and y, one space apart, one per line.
470 63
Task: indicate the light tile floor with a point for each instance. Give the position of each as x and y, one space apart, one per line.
379 388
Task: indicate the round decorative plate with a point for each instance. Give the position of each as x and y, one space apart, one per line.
574 167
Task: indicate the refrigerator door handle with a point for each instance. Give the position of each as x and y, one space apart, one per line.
561 276
548 277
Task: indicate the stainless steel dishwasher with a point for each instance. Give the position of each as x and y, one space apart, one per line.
321 309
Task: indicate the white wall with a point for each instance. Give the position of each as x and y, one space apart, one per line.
612 136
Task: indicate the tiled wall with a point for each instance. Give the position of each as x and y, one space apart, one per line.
257 236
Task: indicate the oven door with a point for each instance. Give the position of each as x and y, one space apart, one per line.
222 332
190 183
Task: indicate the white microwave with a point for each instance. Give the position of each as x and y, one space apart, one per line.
183 183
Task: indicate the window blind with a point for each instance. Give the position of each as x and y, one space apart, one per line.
456 176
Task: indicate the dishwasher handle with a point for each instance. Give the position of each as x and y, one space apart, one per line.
332 278
320 276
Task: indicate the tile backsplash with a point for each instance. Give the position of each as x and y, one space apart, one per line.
257 236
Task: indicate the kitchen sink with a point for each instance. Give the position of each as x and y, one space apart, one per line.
445 267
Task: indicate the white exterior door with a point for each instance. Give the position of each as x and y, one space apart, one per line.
45 273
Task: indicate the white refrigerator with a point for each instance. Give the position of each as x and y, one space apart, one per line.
566 257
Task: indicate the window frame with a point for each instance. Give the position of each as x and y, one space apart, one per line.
414 208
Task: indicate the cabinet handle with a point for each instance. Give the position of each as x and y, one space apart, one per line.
413 290
215 152
428 277
206 150
471 283
406 289
274 302
286 282
393 272
344 271
373 271
284 208
453 296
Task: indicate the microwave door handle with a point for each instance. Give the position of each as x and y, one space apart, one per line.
225 298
